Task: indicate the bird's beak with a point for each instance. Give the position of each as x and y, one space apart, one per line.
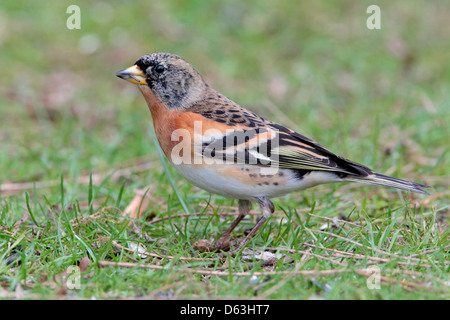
133 74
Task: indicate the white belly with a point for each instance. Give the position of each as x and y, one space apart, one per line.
235 183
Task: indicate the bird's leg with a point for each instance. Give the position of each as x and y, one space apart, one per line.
223 243
267 209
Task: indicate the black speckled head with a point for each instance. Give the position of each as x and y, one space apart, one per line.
173 80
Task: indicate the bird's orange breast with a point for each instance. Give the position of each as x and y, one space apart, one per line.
173 127
163 120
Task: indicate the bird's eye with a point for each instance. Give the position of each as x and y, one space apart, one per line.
159 68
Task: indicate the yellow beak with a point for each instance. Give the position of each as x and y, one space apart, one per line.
132 74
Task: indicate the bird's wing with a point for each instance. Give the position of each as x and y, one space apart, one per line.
245 137
295 151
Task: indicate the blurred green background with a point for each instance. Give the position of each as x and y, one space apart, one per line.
378 97
311 65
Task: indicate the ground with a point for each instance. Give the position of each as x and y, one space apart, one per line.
77 151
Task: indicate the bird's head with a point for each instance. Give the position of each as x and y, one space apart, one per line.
172 80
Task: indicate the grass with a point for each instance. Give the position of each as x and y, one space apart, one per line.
76 143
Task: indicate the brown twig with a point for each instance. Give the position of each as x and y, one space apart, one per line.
12 187
366 272
222 214
343 254
103 263
120 247
197 214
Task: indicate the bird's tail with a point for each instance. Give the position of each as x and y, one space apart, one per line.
382 180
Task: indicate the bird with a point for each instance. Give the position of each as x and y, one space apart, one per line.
226 149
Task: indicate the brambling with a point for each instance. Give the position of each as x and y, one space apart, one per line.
225 149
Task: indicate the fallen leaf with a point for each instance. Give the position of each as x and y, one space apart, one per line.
84 264
139 203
